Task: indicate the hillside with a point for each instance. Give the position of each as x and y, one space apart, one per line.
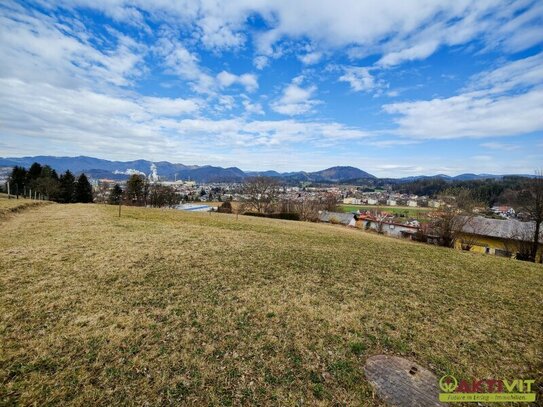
99 168
162 307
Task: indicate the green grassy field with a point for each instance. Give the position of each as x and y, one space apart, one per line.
395 210
163 307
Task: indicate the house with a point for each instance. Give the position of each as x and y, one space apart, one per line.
387 227
347 219
373 201
508 238
352 201
505 211
391 202
432 203
413 203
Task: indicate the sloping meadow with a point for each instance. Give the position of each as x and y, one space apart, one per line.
164 307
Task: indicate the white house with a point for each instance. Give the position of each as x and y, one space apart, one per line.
347 219
391 202
413 203
372 201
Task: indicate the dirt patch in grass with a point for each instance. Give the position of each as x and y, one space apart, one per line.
165 307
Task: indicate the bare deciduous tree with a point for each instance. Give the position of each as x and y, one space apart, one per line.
161 195
519 241
308 208
454 215
261 194
531 201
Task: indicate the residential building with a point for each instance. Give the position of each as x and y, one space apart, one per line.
347 219
352 201
507 237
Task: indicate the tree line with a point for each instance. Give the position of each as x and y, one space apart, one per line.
487 191
261 196
140 192
44 182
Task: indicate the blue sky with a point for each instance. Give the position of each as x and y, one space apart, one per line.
394 88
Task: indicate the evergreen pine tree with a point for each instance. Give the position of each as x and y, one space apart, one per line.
83 189
67 187
115 195
17 180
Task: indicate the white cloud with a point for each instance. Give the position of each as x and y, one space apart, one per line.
252 108
310 58
180 61
59 119
392 143
296 100
260 62
249 81
225 102
360 79
485 111
37 47
418 51
407 30
516 75
264 132
482 157
500 146
170 107
470 116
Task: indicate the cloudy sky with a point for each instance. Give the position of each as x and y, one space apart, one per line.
394 88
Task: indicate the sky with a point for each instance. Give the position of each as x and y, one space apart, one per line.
394 88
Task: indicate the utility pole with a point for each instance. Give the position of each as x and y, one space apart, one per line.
9 196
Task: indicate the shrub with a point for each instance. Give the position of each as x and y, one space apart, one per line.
278 215
226 207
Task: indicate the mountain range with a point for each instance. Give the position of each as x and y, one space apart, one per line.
118 170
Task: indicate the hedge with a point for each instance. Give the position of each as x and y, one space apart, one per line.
278 215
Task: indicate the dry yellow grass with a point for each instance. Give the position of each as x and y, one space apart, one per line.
163 307
13 205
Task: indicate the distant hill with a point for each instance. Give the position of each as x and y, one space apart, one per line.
332 174
98 168
341 173
461 177
119 170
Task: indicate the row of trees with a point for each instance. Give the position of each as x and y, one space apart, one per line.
44 181
262 195
141 192
487 191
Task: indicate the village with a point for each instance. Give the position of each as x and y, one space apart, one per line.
498 230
